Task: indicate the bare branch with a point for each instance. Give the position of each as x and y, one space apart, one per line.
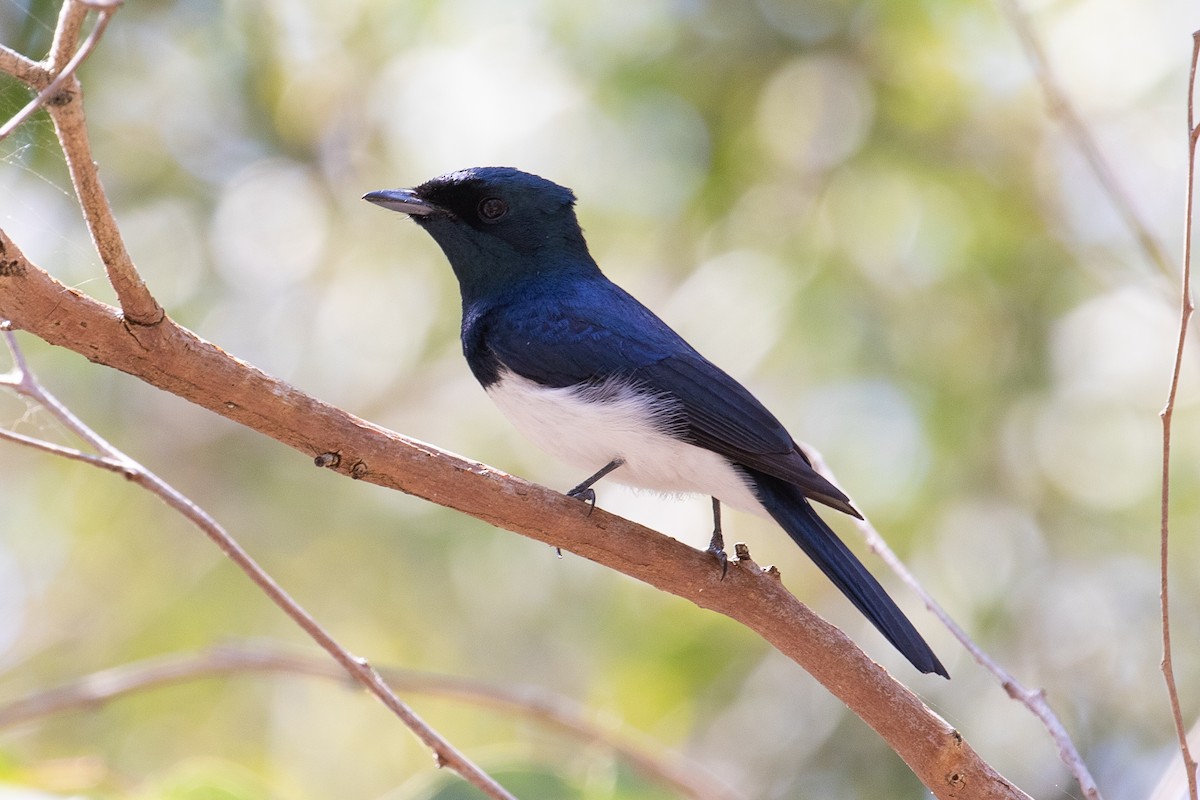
1173 783
446 754
91 691
1062 108
1033 699
47 94
65 452
23 381
71 17
23 69
1186 308
60 93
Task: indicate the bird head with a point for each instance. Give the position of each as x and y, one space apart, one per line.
496 225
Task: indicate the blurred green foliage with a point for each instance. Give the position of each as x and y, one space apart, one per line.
858 207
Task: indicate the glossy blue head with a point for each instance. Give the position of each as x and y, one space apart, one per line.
497 226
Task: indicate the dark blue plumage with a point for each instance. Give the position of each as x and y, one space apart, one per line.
593 376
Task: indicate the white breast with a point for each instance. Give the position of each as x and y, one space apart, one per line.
589 427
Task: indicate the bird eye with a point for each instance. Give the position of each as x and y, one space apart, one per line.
491 209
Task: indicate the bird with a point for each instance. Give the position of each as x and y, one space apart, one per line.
590 375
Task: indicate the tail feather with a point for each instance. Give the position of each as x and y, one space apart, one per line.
787 505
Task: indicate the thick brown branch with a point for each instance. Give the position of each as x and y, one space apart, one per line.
176 360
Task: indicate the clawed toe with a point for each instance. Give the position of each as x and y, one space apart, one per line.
586 494
722 559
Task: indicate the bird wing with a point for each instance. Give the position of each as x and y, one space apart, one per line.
724 417
592 334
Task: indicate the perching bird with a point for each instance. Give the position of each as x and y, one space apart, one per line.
592 376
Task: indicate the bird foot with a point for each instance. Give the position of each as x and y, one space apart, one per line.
721 557
585 493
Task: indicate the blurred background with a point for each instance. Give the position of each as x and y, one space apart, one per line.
859 208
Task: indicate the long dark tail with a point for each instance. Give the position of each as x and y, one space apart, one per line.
793 512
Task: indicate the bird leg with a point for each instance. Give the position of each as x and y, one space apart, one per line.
716 545
584 490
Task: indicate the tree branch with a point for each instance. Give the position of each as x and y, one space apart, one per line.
51 90
26 384
65 452
1185 315
23 69
176 360
63 99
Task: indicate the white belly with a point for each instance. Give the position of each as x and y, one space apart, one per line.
589 428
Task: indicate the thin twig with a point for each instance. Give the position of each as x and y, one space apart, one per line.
1062 107
65 452
91 691
22 380
47 94
60 93
23 69
70 124
1172 783
1033 699
27 385
1185 315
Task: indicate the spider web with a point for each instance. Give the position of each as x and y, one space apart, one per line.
37 206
